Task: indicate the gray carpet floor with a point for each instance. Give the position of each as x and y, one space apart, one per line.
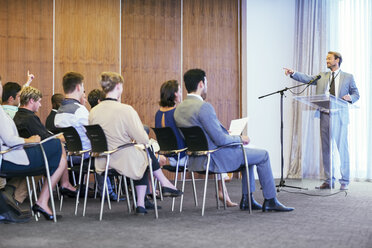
339 220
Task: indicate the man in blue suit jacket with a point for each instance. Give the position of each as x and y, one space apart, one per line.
341 85
194 111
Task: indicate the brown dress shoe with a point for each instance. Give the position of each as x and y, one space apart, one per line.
325 186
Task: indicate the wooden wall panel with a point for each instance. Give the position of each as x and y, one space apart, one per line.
151 52
26 43
210 42
87 39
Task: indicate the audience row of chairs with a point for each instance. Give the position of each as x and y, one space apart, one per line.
197 145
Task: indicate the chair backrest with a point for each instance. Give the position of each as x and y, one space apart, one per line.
195 138
97 138
166 138
72 137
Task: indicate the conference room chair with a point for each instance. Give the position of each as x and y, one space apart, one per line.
98 141
74 147
169 147
197 145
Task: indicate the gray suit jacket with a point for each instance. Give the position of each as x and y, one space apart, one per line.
195 112
346 86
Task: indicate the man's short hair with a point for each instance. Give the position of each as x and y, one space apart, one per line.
10 89
109 80
167 93
29 93
71 80
337 55
57 100
94 96
192 78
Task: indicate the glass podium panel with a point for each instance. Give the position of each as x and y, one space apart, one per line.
324 141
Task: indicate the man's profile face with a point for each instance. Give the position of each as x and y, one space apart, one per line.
204 92
17 99
36 105
331 61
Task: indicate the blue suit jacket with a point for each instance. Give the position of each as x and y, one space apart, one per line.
195 112
346 86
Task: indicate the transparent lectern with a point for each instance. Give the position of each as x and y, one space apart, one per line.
324 140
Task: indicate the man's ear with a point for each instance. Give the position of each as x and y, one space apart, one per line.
201 84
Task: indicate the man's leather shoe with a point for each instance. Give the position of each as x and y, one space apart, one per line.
325 186
244 203
344 186
274 205
140 210
10 217
150 205
168 192
9 199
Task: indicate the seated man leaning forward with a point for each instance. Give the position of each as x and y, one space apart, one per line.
194 111
122 125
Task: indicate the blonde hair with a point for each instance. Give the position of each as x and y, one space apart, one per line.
109 80
28 93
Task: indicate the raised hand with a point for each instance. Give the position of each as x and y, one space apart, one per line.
288 71
30 77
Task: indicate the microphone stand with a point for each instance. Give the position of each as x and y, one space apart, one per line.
281 92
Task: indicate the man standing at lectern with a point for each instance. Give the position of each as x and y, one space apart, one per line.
341 85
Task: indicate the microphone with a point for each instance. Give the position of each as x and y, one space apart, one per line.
314 80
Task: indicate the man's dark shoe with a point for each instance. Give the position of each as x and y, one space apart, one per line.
168 192
344 186
10 217
9 199
150 205
141 211
325 186
274 205
244 203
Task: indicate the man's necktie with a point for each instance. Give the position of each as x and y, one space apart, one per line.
332 87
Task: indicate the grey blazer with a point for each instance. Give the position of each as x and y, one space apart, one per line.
195 112
347 86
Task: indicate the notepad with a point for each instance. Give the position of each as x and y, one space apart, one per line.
237 126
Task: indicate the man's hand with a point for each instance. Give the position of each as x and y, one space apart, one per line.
288 71
245 139
30 77
347 98
33 139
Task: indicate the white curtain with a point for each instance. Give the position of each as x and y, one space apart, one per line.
350 23
311 38
344 26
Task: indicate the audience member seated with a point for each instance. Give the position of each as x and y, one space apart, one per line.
194 111
30 160
122 125
72 113
56 103
95 96
26 119
169 98
11 93
14 189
